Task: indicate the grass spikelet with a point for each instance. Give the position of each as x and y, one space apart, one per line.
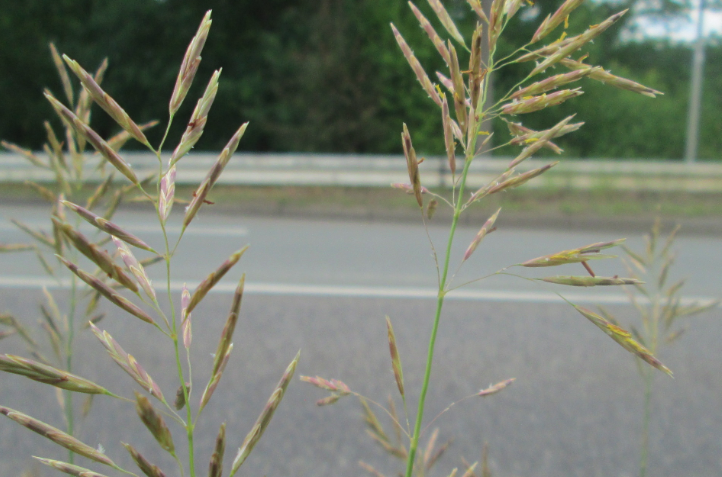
68 468
470 471
332 385
516 181
167 193
99 192
328 400
431 208
154 422
446 20
525 135
475 72
11 321
186 317
265 417
495 388
113 296
82 109
56 435
430 447
551 22
584 281
433 36
484 191
215 379
27 154
95 255
553 82
412 164
55 341
180 396
370 469
537 144
459 93
16 247
576 255
214 277
62 72
146 467
106 102
55 145
576 43
128 363
396 451
43 373
511 7
416 66
44 192
40 236
113 205
188 68
93 138
408 188
200 194
60 173
215 468
448 135
372 421
476 6
624 339
198 120
603 76
495 22
485 229
537 103
436 454
135 268
395 358
108 227
485 471
224 344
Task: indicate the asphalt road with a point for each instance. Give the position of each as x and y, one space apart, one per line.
325 287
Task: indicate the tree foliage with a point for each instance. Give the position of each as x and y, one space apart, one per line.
327 76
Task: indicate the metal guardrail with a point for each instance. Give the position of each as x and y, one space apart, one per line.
380 171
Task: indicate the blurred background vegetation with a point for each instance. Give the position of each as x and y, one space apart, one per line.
327 75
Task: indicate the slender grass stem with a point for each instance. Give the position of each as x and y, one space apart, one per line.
439 305
644 453
189 425
165 136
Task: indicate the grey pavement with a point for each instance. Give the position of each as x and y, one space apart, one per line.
575 409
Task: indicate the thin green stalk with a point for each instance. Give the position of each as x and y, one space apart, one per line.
189 417
645 423
439 304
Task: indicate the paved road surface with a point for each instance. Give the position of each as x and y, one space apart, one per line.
323 287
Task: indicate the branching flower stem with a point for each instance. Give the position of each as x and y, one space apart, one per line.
439 305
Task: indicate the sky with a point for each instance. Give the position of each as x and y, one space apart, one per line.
683 29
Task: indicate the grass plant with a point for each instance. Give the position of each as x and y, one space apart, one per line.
662 310
120 277
465 136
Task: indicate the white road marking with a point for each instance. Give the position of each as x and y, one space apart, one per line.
291 289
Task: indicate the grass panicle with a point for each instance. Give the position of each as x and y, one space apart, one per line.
474 109
120 281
